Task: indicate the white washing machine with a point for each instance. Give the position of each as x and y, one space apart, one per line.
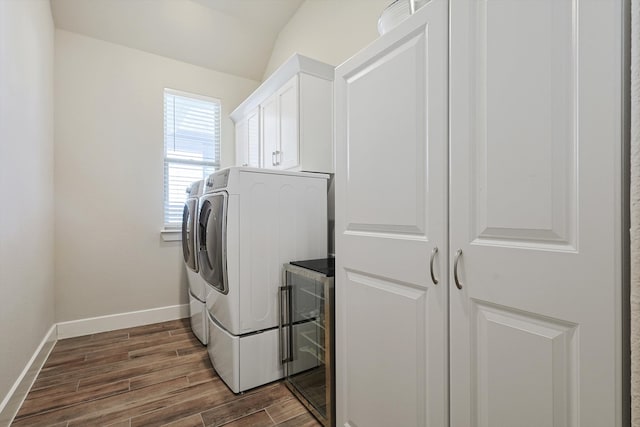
251 222
197 285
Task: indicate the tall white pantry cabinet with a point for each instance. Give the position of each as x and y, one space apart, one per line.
479 216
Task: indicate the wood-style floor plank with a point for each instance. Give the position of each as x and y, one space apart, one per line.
181 370
283 411
105 370
153 375
302 420
192 421
147 400
54 390
95 410
153 402
213 393
197 377
246 405
257 419
51 403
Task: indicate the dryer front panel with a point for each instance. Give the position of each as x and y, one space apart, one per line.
212 229
188 234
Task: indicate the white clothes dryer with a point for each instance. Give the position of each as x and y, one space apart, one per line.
252 222
197 286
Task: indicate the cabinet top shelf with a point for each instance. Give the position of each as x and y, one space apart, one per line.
295 64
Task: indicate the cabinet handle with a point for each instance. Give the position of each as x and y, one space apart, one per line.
433 255
455 269
412 7
278 157
273 158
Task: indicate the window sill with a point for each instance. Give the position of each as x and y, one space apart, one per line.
171 234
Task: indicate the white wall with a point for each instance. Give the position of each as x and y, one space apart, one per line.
110 257
328 30
26 184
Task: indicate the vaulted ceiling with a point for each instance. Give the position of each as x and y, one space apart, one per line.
232 36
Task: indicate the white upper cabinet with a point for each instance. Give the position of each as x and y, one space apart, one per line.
270 131
248 140
295 119
280 117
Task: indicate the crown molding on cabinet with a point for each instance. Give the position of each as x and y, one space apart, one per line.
295 64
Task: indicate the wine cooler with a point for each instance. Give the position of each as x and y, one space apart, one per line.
307 335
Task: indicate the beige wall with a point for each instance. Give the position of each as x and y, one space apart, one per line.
110 257
26 184
328 30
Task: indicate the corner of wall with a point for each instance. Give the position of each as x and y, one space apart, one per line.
26 103
15 397
353 26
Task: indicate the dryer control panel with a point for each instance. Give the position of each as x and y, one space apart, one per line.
218 180
195 189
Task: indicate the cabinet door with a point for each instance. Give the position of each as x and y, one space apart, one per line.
253 139
242 146
391 209
270 131
288 113
536 211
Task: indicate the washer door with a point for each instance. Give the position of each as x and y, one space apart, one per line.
188 236
212 231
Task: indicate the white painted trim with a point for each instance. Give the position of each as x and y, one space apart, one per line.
18 392
171 235
93 325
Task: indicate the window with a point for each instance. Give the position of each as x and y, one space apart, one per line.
191 147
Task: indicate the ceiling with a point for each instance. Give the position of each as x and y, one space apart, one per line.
232 36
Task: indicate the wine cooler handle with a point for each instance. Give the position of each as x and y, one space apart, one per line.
282 322
282 292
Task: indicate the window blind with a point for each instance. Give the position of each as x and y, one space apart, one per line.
191 147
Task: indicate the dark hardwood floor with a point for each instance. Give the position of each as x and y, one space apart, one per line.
154 375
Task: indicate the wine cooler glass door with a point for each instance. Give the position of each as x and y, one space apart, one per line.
306 364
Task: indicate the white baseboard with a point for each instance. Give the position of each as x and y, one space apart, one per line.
12 402
94 325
